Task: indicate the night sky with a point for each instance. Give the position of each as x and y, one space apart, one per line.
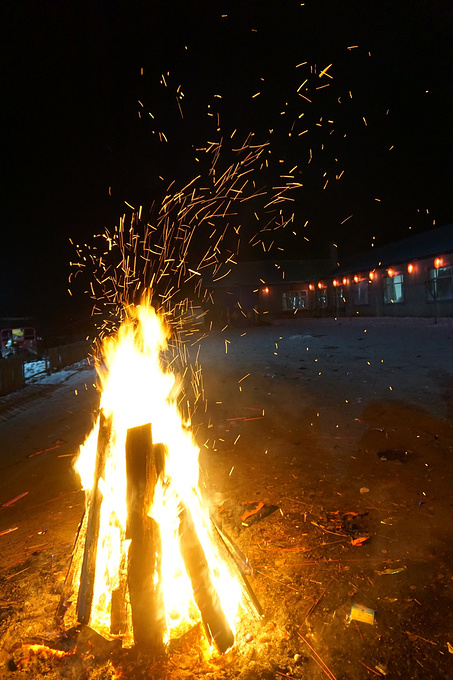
79 79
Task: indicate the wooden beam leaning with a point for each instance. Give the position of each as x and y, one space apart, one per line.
88 572
119 624
65 609
239 562
145 550
206 597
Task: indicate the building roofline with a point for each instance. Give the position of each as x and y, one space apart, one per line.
416 247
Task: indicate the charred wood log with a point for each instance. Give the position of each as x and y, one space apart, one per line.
159 454
71 583
238 560
119 623
87 575
145 550
206 597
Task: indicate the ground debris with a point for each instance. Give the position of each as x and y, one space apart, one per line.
345 524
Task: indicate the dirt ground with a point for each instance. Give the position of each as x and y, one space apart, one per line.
343 430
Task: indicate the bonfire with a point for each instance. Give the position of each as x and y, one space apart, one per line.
147 564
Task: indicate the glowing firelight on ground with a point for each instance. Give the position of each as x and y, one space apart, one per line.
137 389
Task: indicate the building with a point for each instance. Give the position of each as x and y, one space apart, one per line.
409 277
255 292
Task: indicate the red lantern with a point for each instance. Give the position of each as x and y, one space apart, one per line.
438 262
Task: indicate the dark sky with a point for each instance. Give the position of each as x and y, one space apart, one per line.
74 148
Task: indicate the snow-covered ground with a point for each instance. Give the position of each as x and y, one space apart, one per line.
36 371
34 368
352 360
346 360
39 385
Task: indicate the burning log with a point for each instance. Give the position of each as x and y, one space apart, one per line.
70 584
241 563
145 551
147 555
205 595
87 576
119 622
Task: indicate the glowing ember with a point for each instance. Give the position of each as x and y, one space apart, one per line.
138 391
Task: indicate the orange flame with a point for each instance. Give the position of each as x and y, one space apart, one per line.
137 388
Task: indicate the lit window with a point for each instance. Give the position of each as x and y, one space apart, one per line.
440 284
294 300
393 288
322 297
340 298
360 292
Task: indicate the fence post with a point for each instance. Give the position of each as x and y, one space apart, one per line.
12 375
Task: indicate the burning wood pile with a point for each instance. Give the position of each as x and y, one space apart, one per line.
149 562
